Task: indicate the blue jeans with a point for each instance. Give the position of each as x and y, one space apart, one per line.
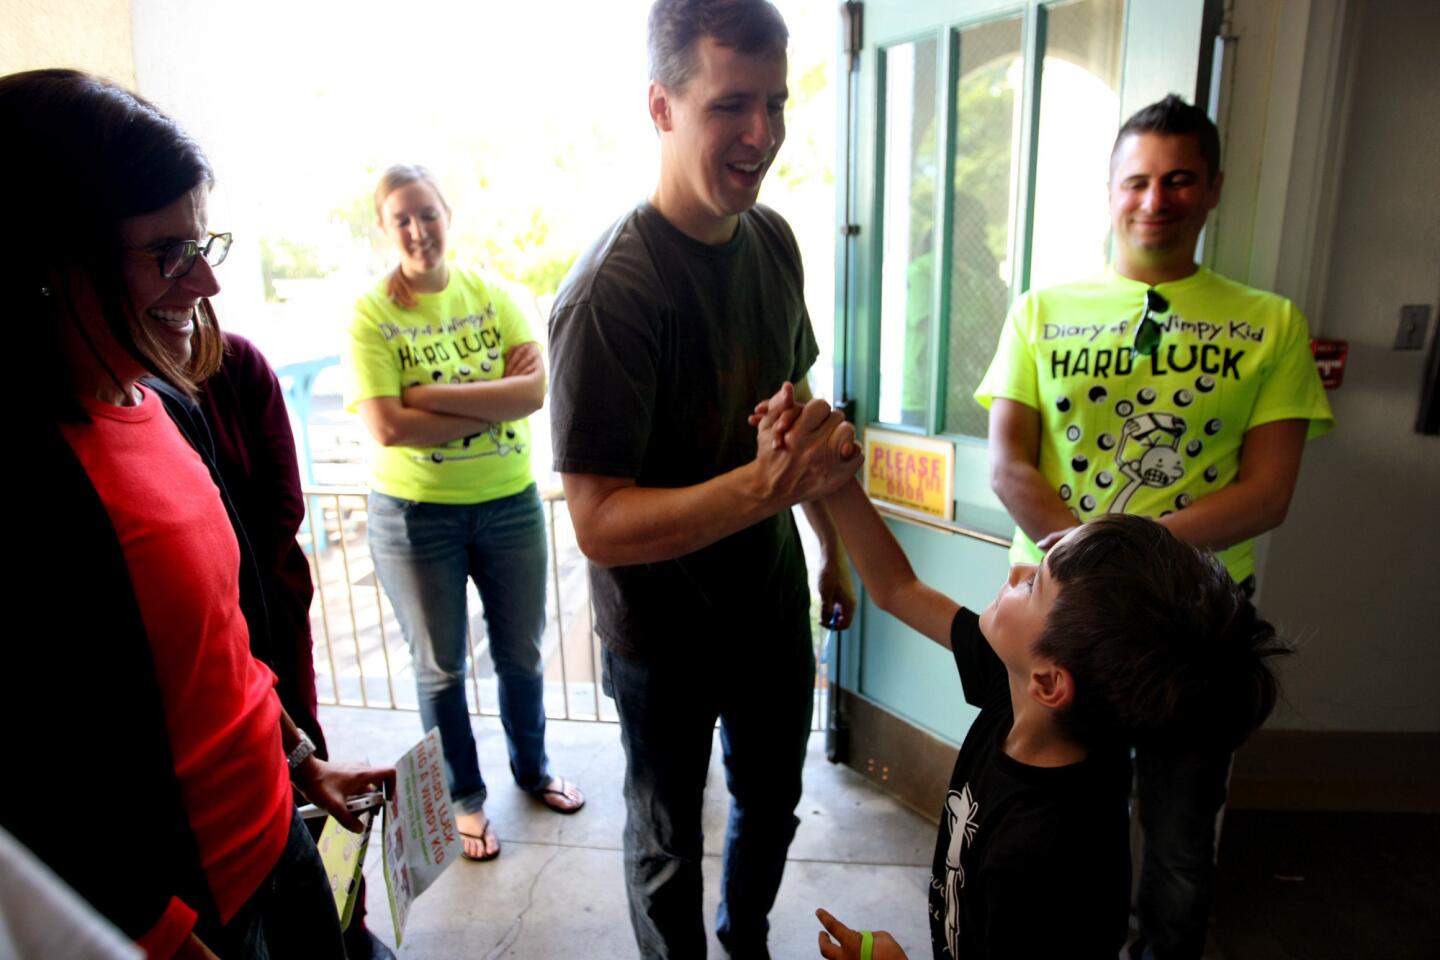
424 553
1180 792
667 709
291 915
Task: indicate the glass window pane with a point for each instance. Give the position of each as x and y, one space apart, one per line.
1079 114
907 270
987 126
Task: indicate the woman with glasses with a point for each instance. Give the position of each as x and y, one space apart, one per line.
150 761
444 370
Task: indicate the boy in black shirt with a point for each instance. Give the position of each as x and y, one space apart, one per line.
1123 634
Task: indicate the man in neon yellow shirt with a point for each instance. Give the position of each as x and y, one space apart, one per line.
1165 390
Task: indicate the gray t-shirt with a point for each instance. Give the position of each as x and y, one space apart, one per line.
660 347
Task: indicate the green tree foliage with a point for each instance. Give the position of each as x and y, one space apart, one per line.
985 115
284 259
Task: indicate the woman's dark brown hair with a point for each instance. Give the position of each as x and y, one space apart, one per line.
81 155
397 285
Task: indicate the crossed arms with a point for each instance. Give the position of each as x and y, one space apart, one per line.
432 414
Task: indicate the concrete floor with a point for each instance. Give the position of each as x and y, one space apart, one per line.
557 889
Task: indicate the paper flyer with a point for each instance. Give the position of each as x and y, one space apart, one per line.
420 838
343 854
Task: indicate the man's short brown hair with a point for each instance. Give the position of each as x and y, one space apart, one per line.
751 27
1173 117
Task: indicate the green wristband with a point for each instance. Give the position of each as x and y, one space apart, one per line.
867 944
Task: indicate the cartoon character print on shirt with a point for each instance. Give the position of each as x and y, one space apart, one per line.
962 816
1150 397
1159 463
478 344
1152 450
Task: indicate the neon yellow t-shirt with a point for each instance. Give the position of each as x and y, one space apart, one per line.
1150 435
456 336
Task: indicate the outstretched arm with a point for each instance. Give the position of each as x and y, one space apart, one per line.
884 569
882 565
837 591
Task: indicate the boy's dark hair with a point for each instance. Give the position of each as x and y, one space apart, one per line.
752 27
82 155
1161 643
1174 117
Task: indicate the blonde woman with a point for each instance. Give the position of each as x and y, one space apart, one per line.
444 370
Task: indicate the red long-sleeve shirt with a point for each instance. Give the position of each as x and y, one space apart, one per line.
220 707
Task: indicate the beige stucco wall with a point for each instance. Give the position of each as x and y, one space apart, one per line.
1351 574
90 35
1331 199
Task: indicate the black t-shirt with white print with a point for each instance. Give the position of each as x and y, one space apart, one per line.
1030 861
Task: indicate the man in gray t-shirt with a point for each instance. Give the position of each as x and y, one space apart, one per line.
665 335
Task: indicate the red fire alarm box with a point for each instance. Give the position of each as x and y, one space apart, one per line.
1330 360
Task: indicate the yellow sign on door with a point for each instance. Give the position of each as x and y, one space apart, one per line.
910 471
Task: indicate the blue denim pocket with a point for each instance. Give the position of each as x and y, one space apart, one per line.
384 500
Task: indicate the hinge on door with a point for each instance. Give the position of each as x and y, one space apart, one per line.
852 14
850 230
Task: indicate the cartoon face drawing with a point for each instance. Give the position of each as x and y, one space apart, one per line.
1161 466
1158 463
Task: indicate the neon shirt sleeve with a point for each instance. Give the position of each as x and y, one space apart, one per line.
1292 390
1011 375
369 364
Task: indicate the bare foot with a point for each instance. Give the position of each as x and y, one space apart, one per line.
561 795
478 836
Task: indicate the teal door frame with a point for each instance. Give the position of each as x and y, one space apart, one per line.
1166 48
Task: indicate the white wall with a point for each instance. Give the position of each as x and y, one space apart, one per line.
89 35
1343 99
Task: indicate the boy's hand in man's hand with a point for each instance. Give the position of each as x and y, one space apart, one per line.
818 456
779 413
846 942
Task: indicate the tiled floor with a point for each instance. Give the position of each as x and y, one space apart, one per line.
557 889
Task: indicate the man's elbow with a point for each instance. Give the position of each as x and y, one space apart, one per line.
594 546
590 535
1002 479
997 483
1275 510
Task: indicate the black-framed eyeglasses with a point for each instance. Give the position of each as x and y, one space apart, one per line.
1147 334
178 258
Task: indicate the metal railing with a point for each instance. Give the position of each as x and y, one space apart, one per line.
362 660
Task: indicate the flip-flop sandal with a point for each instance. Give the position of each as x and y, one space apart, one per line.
489 831
545 794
